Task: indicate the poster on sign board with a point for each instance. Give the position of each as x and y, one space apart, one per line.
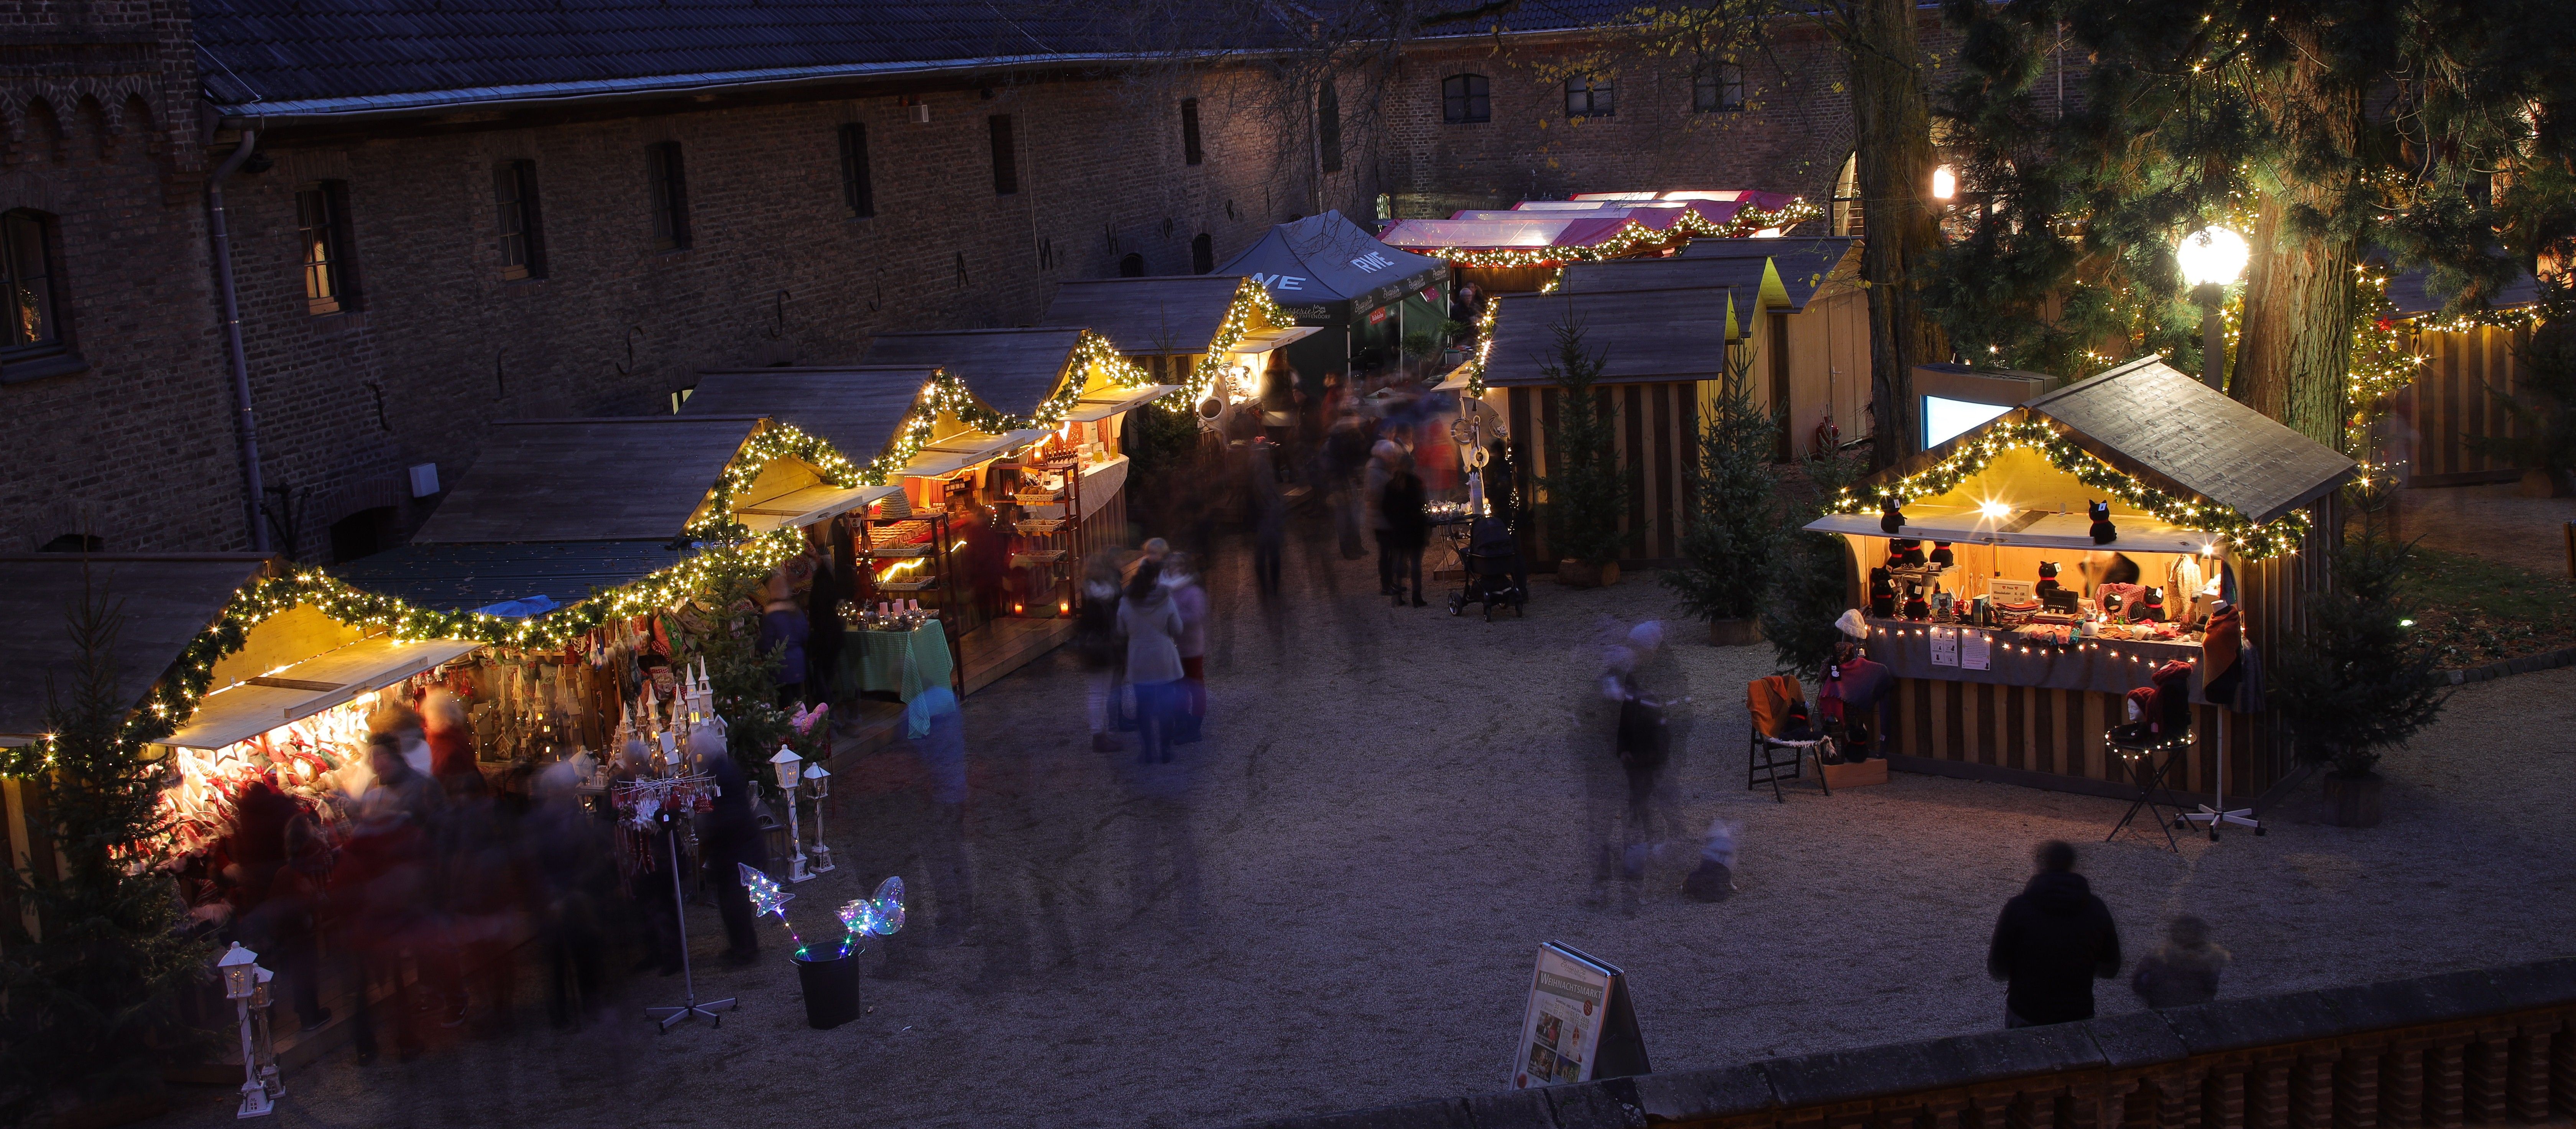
1945 646
1578 1024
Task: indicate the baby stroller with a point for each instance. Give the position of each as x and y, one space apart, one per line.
1495 575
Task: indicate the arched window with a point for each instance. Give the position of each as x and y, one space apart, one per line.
1202 254
1846 218
1466 99
27 280
1133 266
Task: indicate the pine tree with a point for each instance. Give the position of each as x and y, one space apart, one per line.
1734 523
1588 494
88 995
2358 683
1810 578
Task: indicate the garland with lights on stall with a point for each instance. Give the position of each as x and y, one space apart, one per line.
1249 298
946 392
2248 539
1631 237
1484 348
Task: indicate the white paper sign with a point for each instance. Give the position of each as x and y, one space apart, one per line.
1945 646
1561 1030
1976 651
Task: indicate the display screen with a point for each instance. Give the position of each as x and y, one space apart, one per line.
1944 418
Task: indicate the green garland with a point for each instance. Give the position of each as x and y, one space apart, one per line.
1249 298
2247 539
1630 237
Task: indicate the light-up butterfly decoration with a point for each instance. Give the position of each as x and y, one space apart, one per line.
880 916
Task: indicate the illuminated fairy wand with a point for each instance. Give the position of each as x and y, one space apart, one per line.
881 915
767 898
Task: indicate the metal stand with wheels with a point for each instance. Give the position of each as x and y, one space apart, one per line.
2221 814
672 789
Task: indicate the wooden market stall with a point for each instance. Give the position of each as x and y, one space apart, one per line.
1658 347
2431 430
2208 500
1185 330
1367 298
1806 323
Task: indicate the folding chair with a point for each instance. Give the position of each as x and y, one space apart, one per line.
2149 761
1767 707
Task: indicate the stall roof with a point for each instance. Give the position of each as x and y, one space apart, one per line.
1803 263
1140 316
1526 231
248 709
1744 274
1014 370
855 408
957 452
2152 421
1329 259
1642 335
451 578
627 478
2412 293
1753 197
1100 406
162 601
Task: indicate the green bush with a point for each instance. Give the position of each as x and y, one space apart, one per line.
1734 526
1810 577
1588 493
2361 681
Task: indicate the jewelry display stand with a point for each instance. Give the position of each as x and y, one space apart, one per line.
671 789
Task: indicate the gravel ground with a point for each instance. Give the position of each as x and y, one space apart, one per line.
1387 820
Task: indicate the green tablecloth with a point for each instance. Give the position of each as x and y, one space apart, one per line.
904 662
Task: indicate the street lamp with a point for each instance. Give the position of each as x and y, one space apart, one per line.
2212 258
1945 183
241 975
790 768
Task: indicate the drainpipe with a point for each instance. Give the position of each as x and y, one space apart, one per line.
231 300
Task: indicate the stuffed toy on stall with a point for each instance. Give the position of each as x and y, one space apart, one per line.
1941 554
1882 594
2103 533
1916 608
2150 607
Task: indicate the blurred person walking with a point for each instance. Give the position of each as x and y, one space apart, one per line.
1267 511
1408 528
385 887
280 860
2052 941
1152 626
1381 470
1189 598
2182 971
729 838
1095 641
648 885
1346 456
936 727
564 851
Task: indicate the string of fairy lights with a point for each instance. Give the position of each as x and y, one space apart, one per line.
2247 539
1632 237
727 549
1251 300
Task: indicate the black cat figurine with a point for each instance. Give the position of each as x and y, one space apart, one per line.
2047 579
1882 594
1916 607
1941 554
1905 551
2103 533
2150 607
1891 516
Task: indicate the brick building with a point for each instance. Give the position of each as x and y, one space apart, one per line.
548 220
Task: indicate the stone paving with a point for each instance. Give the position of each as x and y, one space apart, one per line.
1388 818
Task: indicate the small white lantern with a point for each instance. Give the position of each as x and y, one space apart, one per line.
240 969
790 768
819 780
242 975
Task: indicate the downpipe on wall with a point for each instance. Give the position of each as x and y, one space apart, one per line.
230 301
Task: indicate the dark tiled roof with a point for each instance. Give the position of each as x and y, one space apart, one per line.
854 408
1641 336
452 578
629 478
160 605
272 52
1013 370
1170 314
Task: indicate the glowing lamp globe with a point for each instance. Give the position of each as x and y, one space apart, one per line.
2212 256
1945 183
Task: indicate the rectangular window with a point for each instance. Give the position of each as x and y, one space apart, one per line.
322 235
858 194
1590 98
1006 158
1191 154
26 273
1718 88
668 185
1328 127
1466 99
514 191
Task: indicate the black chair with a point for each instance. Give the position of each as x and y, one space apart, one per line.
2149 758
1764 763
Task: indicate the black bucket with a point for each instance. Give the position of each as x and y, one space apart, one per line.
831 990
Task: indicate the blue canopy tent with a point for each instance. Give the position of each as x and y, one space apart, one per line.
1328 272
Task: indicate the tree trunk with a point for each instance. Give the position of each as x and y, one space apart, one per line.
2295 354
1892 140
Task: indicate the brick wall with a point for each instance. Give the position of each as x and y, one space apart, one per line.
98 132
2486 1047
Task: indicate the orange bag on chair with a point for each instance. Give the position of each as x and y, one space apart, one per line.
1768 700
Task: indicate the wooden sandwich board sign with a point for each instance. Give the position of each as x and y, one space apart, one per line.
1579 1025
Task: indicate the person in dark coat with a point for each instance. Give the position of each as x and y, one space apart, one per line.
2052 941
730 838
1408 528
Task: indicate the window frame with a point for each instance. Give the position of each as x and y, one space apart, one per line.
1600 97
1470 103
1328 127
1718 88
1202 254
666 186
858 183
336 267
1193 148
514 190
1006 154
16 225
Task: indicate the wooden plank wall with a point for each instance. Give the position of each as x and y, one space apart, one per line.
2060 731
1655 425
2454 399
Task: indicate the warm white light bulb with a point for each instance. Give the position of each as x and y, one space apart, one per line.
1945 183
1995 510
2212 255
